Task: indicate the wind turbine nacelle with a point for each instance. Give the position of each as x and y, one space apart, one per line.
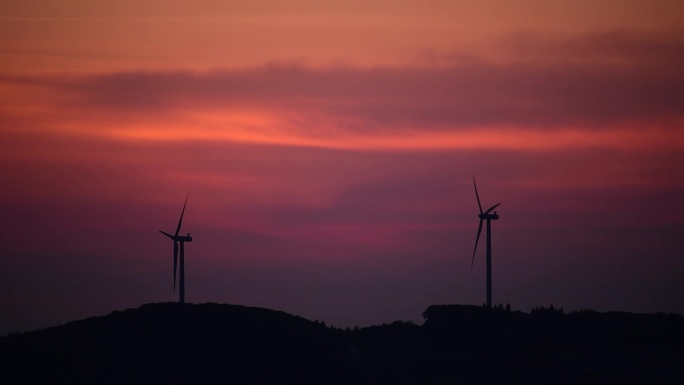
494 216
184 238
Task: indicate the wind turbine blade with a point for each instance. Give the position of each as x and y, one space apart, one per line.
492 208
182 212
175 263
167 234
477 196
479 230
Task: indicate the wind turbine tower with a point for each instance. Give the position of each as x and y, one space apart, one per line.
487 215
179 239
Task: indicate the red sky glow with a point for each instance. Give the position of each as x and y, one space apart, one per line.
329 151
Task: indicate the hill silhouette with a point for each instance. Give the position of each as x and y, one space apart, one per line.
175 343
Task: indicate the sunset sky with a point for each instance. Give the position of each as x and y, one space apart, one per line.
329 149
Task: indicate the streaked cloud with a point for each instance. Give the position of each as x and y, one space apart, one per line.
458 96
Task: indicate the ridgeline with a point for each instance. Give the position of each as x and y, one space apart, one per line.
170 343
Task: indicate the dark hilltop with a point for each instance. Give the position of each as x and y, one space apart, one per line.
170 343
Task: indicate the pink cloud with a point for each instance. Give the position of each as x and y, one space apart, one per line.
643 82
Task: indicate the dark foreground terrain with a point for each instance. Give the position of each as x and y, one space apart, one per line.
169 343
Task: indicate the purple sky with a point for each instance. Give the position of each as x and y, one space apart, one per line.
329 153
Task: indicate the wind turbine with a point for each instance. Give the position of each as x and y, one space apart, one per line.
489 217
176 240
